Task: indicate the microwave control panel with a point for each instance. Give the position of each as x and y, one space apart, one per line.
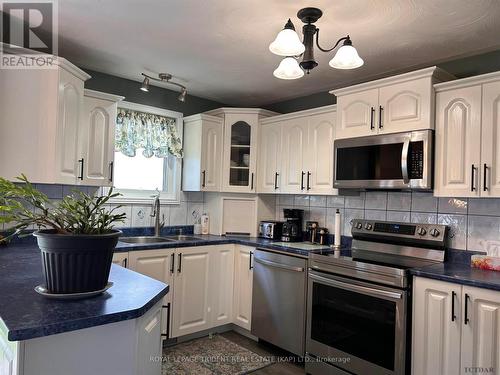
416 160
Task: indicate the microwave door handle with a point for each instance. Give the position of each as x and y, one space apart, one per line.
404 160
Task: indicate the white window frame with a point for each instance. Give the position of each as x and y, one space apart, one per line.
173 169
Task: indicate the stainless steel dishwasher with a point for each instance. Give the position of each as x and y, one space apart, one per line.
279 300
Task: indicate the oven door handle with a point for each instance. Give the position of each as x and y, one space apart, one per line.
355 287
404 160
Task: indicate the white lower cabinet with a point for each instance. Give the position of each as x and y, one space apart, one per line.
191 309
222 276
243 280
159 265
455 328
120 259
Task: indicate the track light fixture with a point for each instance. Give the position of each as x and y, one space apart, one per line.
288 44
164 77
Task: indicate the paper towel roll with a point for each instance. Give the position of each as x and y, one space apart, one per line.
337 228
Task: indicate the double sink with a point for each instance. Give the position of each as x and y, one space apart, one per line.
157 239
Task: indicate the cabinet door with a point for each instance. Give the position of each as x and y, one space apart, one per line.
157 264
211 156
481 334
222 274
458 142
97 141
406 106
436 327
243 280
319 179
148 342
269 159
294 148
191 311
490 142
120 259
68 167
357 114
240 148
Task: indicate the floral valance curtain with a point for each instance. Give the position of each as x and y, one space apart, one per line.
156 135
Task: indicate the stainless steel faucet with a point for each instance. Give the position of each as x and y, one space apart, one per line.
156 214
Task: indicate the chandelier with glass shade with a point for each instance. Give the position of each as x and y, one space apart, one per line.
288 44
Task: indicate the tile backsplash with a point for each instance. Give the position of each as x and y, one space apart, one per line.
474 223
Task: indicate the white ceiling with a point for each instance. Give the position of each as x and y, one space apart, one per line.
219 48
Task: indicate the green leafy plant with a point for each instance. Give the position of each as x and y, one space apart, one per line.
21 203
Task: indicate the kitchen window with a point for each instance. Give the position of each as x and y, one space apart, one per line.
148 154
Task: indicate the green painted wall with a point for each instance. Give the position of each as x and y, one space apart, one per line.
461 68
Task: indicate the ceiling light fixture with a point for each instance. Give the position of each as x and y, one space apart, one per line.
164 77
287 43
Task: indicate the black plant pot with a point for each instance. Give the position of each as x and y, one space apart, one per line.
76 263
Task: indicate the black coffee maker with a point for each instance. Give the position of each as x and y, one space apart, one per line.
292 227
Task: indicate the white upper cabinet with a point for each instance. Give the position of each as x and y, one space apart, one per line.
293 155
41 116
490 140
203 145
356 114
319 178
269 159
390 105
458 144
406 106
467 137
97 138
239 160
296 152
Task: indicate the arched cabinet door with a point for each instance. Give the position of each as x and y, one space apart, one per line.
490 144
405 106
356 114
294 151
240 149
458 142
269 171
69 120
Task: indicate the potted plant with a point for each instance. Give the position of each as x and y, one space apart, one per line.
75 236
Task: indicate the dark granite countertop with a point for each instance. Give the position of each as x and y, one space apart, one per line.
27 315
460 273
207 240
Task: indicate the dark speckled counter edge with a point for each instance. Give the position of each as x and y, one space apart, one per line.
73 325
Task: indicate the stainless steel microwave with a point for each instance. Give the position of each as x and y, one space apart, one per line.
389 161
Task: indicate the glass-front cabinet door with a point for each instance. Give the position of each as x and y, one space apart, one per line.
240 152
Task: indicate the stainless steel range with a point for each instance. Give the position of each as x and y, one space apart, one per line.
358 313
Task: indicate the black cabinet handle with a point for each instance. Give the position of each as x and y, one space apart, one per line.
251 184
167 306
473 177
111 167
203 178
453 316
380 109
250 265
172 263
81 162
179 267
276 180
302 180
124 263
485 171
466 315
372 119
308 178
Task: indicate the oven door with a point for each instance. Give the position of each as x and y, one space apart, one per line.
392 161
357 326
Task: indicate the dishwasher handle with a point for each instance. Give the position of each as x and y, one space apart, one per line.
282 266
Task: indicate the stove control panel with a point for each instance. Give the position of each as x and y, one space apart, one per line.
429 232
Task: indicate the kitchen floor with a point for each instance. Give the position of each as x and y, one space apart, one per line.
281 368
